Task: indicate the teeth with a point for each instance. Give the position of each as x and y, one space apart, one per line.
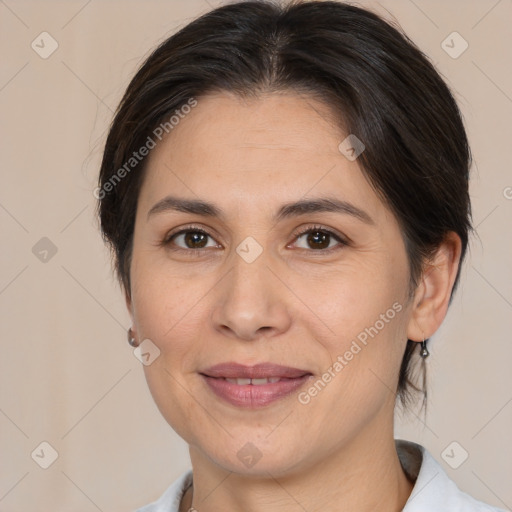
257 382
254 382
240 382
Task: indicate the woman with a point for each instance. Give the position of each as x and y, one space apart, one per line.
285 190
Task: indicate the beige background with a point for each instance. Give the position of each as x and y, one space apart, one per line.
68 376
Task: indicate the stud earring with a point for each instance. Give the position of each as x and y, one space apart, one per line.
131 338
424 353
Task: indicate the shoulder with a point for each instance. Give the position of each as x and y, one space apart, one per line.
171 498
433 489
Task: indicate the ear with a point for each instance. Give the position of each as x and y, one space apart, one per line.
432 295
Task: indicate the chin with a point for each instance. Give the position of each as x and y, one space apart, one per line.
256 459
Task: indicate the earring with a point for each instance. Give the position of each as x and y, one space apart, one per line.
131 338
424 353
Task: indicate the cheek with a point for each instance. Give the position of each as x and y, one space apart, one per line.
167 310
353 297
361 378
361 313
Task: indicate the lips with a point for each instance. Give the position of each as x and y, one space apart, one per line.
253 386
233 370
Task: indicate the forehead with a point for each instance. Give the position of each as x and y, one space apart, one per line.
277 122
275 147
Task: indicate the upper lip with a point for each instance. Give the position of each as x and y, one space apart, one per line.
232 370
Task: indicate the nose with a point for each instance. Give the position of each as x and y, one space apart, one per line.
250 301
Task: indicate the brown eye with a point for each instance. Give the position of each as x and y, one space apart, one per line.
319 239
191 239
195 239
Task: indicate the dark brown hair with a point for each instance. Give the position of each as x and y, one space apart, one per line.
384 88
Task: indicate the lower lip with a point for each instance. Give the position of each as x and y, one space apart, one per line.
254 396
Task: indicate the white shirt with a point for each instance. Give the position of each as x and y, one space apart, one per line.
433 490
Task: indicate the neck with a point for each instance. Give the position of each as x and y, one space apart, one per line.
364 475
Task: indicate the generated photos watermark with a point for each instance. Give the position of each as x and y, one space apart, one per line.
361 341
137 156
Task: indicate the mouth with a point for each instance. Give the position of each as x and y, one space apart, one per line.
232 370
253 386
254 382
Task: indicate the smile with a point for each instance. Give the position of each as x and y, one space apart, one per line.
254 393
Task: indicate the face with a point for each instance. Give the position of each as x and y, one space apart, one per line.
318 288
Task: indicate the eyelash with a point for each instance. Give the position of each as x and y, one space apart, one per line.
309 229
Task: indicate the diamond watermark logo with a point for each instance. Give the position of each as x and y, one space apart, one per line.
351 147
454 455
454 45
44 45
249 454
44 455
44 250
249 249
147 352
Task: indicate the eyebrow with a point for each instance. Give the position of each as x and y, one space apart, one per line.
287 210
